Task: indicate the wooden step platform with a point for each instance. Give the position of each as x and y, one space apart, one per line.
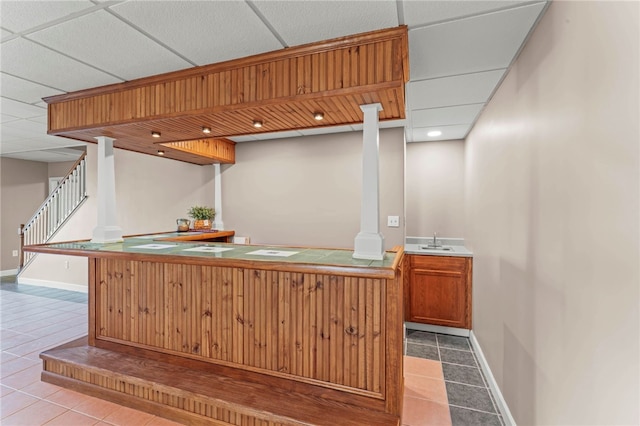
196 392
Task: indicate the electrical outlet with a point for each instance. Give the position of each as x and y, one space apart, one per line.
15 253
66 264
393 221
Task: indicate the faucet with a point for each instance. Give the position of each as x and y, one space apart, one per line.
435 241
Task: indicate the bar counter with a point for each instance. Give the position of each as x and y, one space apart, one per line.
315 322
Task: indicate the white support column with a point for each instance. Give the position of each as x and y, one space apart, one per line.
218 224
369 243
107 230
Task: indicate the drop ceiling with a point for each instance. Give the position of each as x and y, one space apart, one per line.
459 52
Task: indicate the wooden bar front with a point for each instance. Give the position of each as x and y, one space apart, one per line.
330 332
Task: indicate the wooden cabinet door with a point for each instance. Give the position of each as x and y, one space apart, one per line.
440 291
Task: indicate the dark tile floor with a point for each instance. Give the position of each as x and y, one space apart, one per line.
470 399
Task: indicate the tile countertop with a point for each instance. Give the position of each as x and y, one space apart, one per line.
416 245
156 244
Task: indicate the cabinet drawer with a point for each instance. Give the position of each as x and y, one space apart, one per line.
438 262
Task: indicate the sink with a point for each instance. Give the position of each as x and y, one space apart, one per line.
437 248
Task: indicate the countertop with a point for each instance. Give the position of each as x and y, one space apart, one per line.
455 246
159 245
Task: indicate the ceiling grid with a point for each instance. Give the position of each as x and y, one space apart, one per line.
459 52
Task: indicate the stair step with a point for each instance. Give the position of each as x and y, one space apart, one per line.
197 392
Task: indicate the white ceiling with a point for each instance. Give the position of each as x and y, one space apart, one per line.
459 52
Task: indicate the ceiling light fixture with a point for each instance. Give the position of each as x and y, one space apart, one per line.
318 116
206 130
155 134
160 152
257 123
434 133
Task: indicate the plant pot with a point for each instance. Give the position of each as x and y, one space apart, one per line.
202 225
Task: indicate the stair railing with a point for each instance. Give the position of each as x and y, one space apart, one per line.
55 210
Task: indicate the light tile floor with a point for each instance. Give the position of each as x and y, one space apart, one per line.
34 319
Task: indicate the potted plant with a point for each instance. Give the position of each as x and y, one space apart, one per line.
202 217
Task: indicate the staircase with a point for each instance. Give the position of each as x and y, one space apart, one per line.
55 210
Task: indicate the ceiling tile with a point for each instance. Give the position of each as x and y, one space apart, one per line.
20 109
4 118
29 126
11 132
18 16
204 32
464 114
418 13
277 135
388 124
243 138
469 45
325 130
23 90
25 58
41 142
43 119
111 45
451 91
6 147
448 132
300 22
48 155
45 156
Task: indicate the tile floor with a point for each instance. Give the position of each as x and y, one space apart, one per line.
443 384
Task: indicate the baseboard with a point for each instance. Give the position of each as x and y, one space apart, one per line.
437 329
8 272
502 404
53 284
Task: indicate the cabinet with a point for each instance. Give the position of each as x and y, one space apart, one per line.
438 290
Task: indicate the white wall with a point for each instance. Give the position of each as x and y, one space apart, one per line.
23 188
552 215
435 188
306 191
151 193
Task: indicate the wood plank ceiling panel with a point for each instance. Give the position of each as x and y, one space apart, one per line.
282 89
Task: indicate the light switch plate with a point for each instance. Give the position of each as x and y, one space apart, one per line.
393 221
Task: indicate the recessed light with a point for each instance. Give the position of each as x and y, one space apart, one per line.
155 134
434 133
257 123
160 152
318 116
206 130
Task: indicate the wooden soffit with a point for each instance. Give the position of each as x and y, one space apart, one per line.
282 89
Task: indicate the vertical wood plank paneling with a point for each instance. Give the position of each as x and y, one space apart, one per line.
238 323
325 333
208 313
378 346
362 334
322 327
352 332
94 267
284 322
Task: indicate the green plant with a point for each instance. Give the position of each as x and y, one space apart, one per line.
201 213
